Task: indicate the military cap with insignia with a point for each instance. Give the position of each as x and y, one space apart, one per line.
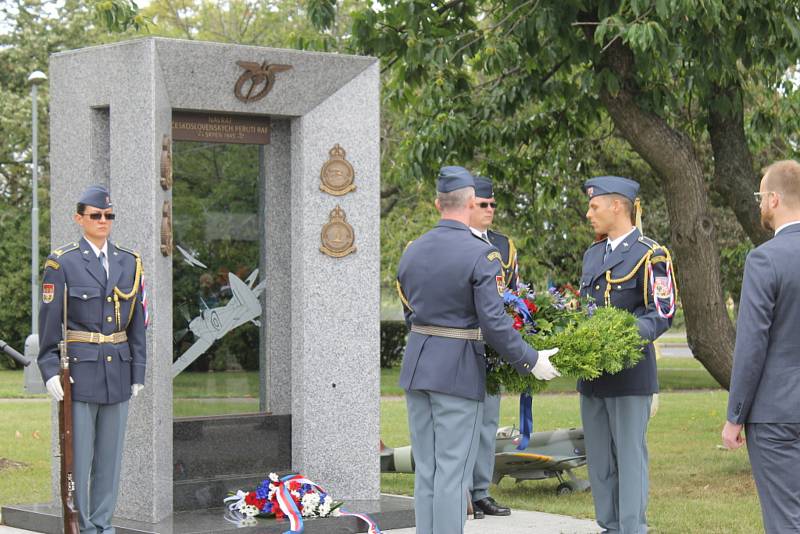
96 196
453 177
607 185
483 187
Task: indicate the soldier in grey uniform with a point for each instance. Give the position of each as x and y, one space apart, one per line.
482 219
451 284
765 384
106 349
629 271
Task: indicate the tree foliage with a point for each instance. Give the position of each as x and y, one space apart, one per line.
689 97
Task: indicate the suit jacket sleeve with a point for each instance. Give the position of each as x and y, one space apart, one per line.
651 324
756 307
496 325
137 341
51 318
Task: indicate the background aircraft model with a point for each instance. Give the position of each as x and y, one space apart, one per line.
549 454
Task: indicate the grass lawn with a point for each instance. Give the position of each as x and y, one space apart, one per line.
695 487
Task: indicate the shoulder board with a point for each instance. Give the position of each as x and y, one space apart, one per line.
494 255
60 251
499 234
598 243
408 244
650 243
129 251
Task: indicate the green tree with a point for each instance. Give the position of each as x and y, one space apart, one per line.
539 94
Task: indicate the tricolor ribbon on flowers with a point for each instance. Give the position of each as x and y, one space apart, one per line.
525 420
519 304
373 526
289 507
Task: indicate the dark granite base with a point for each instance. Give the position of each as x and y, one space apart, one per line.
390 512
216 455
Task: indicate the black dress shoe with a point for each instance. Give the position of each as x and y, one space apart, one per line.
490 507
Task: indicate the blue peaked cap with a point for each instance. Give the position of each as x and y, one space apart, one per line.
453 177
97 196
607 185
483 187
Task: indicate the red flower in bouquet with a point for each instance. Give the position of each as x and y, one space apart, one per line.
532 307
252 500
518 323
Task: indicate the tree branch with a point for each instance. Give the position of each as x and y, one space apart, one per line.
734 178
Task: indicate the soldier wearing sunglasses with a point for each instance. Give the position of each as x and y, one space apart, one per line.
106 321
480 221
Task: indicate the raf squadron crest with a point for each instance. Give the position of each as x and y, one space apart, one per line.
337 235
337 174
257 80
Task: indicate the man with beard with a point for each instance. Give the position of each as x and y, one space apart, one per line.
765 384
482 218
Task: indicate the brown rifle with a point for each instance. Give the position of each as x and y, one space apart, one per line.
70 514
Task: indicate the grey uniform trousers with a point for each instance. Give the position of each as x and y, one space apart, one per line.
484 462
444 441
615 430
774 450
98 437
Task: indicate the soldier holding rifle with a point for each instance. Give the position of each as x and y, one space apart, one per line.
92 324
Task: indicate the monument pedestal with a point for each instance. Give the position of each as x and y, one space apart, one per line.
390 512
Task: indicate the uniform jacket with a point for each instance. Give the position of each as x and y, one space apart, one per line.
628 295
102 373
765 384
508 253
450 277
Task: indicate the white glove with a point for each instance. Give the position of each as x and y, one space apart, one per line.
544 370
54 388
136 388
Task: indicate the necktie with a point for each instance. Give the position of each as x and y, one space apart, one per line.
102 259
485 236
608 251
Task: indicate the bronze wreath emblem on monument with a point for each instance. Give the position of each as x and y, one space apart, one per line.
337 235
254 77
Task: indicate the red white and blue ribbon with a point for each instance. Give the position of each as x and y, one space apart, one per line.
373 526
289 507
143 292
287 504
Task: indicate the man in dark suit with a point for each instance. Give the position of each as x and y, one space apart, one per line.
765 384
451 286
480 223
626 270
106 323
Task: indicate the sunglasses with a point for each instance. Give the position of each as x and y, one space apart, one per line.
98 216
485 205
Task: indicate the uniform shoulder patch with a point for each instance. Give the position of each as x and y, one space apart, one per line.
129 251
494 255
52 264
60 251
